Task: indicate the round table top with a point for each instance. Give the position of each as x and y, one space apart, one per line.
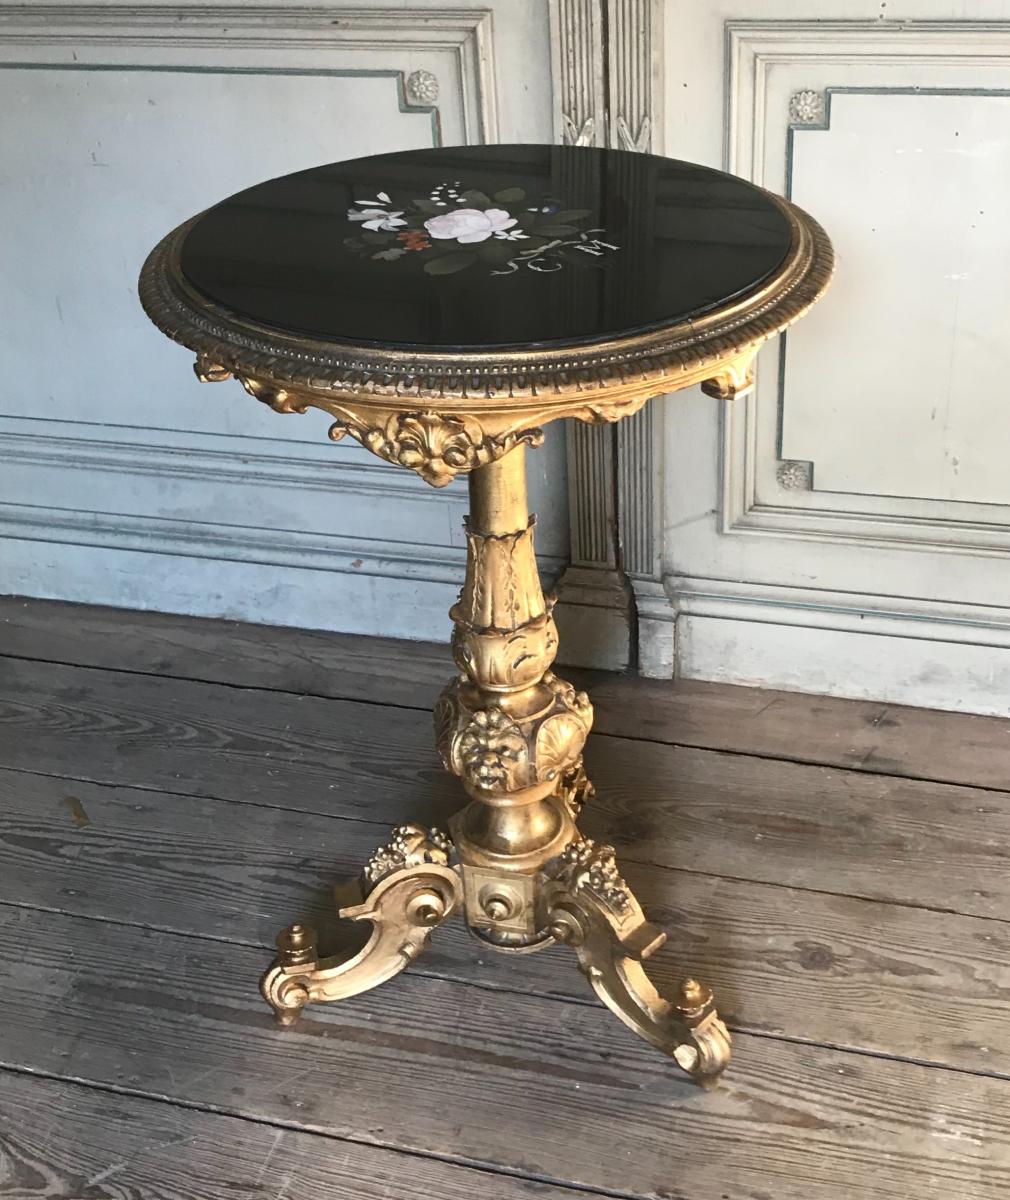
486 247
457 298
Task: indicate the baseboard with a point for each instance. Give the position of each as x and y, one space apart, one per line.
594 619
891 649
169 526
311 582
655 629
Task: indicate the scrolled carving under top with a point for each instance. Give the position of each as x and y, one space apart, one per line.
279 399
437 447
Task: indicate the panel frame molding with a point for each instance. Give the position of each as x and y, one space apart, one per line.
458 43
615 611
753 48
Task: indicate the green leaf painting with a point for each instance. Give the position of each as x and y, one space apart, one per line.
449 264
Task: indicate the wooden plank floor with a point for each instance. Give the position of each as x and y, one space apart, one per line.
173 791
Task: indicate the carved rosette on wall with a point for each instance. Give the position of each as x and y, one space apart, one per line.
421 88
807 107
795 475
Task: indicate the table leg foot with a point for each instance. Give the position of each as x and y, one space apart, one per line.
593 910
407 888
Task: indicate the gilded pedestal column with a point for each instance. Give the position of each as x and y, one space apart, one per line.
511 730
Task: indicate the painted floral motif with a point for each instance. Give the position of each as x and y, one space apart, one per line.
470 224
454 229
376 216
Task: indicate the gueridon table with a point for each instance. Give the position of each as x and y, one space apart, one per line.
442 306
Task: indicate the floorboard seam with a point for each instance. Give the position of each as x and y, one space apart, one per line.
383 829
854 768
504 990
883 1055
485 1168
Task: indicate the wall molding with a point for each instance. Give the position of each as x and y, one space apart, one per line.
753 50
331 552
635 28
612 593
441 61
594 614
821 608
885 648
270 468
79 30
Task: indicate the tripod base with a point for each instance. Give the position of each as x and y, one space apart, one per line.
524 877
409 887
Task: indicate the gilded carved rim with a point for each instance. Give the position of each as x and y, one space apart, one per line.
602 381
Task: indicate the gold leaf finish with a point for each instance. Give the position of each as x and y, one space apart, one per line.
436 447
511 730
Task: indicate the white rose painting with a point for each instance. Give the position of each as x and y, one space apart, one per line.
453 230
467 225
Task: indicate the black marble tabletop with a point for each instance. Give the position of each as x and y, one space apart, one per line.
465 247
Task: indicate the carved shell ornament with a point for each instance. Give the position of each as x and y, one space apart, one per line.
455 228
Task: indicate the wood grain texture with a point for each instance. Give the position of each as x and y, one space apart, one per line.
933 845
65 1141
851 973
503 1081
854 734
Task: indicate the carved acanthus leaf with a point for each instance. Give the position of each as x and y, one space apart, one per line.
279 399
639 141
735 379
436 446
578 135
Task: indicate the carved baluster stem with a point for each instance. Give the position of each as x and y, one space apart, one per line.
506 725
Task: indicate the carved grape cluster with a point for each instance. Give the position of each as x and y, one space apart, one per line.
587 867
408 846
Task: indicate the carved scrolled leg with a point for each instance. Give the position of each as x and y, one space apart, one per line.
407 888
592 909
